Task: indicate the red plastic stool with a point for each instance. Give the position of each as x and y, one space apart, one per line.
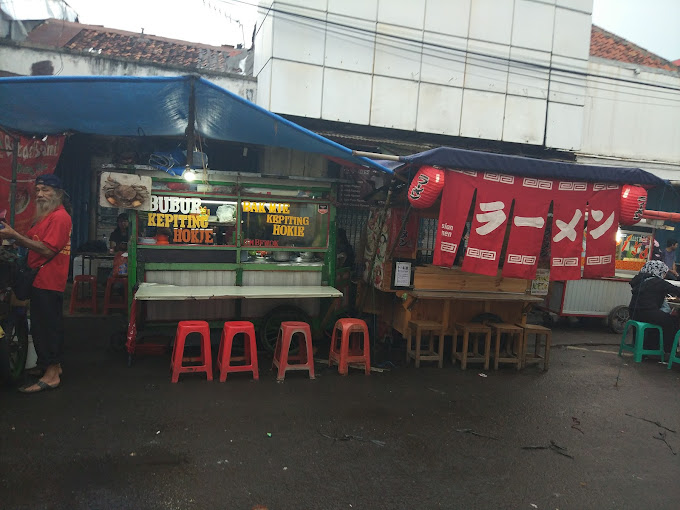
185 328
349 349
224 357
110 304
304 360
79 283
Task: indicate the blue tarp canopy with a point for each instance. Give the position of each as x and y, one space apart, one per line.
152 106
528 167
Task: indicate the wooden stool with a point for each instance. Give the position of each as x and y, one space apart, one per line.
476 329
539 331
434 329
516 336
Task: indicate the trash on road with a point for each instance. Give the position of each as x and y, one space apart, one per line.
651 421
347 437
552 446
662 437
470 431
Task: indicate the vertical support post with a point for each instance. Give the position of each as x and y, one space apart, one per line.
331 256
13 184
132 257
191 128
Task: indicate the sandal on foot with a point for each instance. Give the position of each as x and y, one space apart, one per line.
42 386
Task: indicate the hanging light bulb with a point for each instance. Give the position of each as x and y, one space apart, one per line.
188 174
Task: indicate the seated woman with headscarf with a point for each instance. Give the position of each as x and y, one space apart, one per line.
648 302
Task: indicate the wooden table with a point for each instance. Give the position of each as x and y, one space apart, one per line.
447 296
164 292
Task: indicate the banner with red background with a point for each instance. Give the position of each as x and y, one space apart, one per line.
532 198
602 226
36 156
459 188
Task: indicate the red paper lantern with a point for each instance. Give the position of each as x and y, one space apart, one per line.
633 203
425 187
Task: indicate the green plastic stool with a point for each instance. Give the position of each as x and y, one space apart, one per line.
636 347
673 356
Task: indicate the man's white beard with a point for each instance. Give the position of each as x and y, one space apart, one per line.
45 207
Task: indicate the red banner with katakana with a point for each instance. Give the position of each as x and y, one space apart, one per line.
489 223
453 213
566 246
527 228
603 222
495 195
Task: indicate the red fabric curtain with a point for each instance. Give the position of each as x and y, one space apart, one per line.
489 223
569 208
459 189
532 203
603 222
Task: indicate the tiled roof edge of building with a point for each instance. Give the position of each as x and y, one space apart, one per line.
75 28
605 44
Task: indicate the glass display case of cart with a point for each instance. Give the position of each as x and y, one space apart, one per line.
189 221
283 230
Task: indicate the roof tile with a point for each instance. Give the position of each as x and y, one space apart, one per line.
604 44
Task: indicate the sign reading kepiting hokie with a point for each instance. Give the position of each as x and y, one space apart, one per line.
531 197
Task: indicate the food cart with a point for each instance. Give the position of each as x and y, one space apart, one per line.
501 222
237 231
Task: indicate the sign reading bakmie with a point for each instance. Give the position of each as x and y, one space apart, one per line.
185 215
278 215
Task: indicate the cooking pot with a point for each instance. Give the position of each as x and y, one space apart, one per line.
307 255
281 256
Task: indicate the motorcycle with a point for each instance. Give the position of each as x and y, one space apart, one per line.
14 328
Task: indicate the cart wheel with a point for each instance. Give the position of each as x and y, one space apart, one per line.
13 348
618 318
272 322
548 320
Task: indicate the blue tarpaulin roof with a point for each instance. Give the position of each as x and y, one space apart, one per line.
152 106
528 167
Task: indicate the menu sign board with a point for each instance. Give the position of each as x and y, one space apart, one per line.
283 224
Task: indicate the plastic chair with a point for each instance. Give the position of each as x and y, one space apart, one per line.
185 328
304 360
224 357
79 283
636 347
115 304
349 349
673 356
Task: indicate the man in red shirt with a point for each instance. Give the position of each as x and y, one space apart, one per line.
49 247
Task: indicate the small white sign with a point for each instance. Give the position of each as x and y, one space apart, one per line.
125 191
540 285
402 274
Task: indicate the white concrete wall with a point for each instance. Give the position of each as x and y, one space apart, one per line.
630 121
472 68
19 60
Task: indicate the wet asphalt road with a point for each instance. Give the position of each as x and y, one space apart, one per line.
114 437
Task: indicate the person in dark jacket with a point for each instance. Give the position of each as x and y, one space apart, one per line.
649 291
